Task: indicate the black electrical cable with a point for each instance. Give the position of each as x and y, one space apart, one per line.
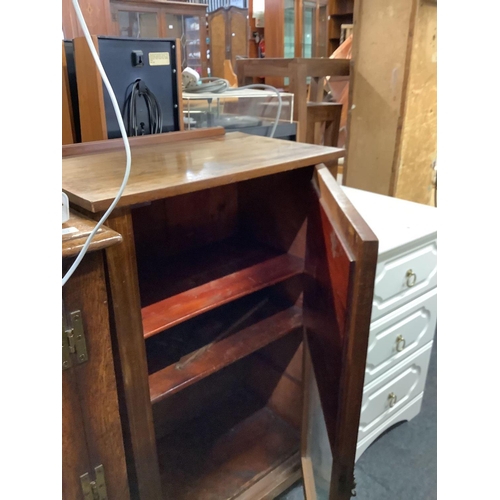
155 116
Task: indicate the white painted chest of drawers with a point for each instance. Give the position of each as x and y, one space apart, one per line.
404 312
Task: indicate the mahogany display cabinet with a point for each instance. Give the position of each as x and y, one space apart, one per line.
241 299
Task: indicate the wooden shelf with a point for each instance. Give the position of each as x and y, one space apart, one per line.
167 354
223 272
224 453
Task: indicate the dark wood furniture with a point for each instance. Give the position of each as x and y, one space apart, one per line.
93 450
298 70
340 12
228 29
241 261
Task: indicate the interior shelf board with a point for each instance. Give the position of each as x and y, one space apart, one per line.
230 453
173 310
171 379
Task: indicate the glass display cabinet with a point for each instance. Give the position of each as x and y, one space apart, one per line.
185 21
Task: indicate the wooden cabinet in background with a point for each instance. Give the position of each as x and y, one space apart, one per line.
92 441
229 34
184 21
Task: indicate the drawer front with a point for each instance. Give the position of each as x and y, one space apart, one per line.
408 412
404 277
399 334
390 392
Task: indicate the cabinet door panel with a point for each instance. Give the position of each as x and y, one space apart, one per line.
238 34
341 260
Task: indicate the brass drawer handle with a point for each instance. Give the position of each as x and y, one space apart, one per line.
392 399
411 278
400 343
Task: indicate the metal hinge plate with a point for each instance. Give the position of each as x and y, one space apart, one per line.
73 341
94 490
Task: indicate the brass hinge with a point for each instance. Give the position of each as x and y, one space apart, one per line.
94 490
73 341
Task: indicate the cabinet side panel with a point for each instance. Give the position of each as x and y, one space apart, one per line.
95 379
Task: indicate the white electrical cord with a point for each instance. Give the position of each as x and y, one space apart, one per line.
220 85
104 77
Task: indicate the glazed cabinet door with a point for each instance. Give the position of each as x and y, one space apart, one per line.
341 259
136 22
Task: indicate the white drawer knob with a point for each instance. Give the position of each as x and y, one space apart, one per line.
400 343
392 399
411 278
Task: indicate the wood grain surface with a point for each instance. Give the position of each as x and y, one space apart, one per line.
77 231
160 171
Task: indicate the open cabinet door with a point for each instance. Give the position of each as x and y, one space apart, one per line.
341 259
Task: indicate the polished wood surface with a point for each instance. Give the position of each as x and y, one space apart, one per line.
108 145
340 271
92 429
172 379
76 231
160 171
197 300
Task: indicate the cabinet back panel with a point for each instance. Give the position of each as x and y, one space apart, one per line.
274 209
173 225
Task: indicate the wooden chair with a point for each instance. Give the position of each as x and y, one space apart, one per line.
323 125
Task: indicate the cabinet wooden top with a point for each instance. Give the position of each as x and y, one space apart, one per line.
76 231
91 181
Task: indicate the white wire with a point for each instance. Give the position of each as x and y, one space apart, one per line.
221 85
270 87
104 77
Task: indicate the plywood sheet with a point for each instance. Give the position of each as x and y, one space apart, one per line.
380 57
419 137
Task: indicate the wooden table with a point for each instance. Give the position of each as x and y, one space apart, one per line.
207 290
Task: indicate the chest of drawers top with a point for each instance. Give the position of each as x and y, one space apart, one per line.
397 223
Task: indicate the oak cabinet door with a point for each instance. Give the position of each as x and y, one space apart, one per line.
341 260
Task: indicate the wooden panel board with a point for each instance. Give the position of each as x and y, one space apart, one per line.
97 17
79 228
181 307
217 29
419 137
230 451
380 58
236 346
160 171
340 275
